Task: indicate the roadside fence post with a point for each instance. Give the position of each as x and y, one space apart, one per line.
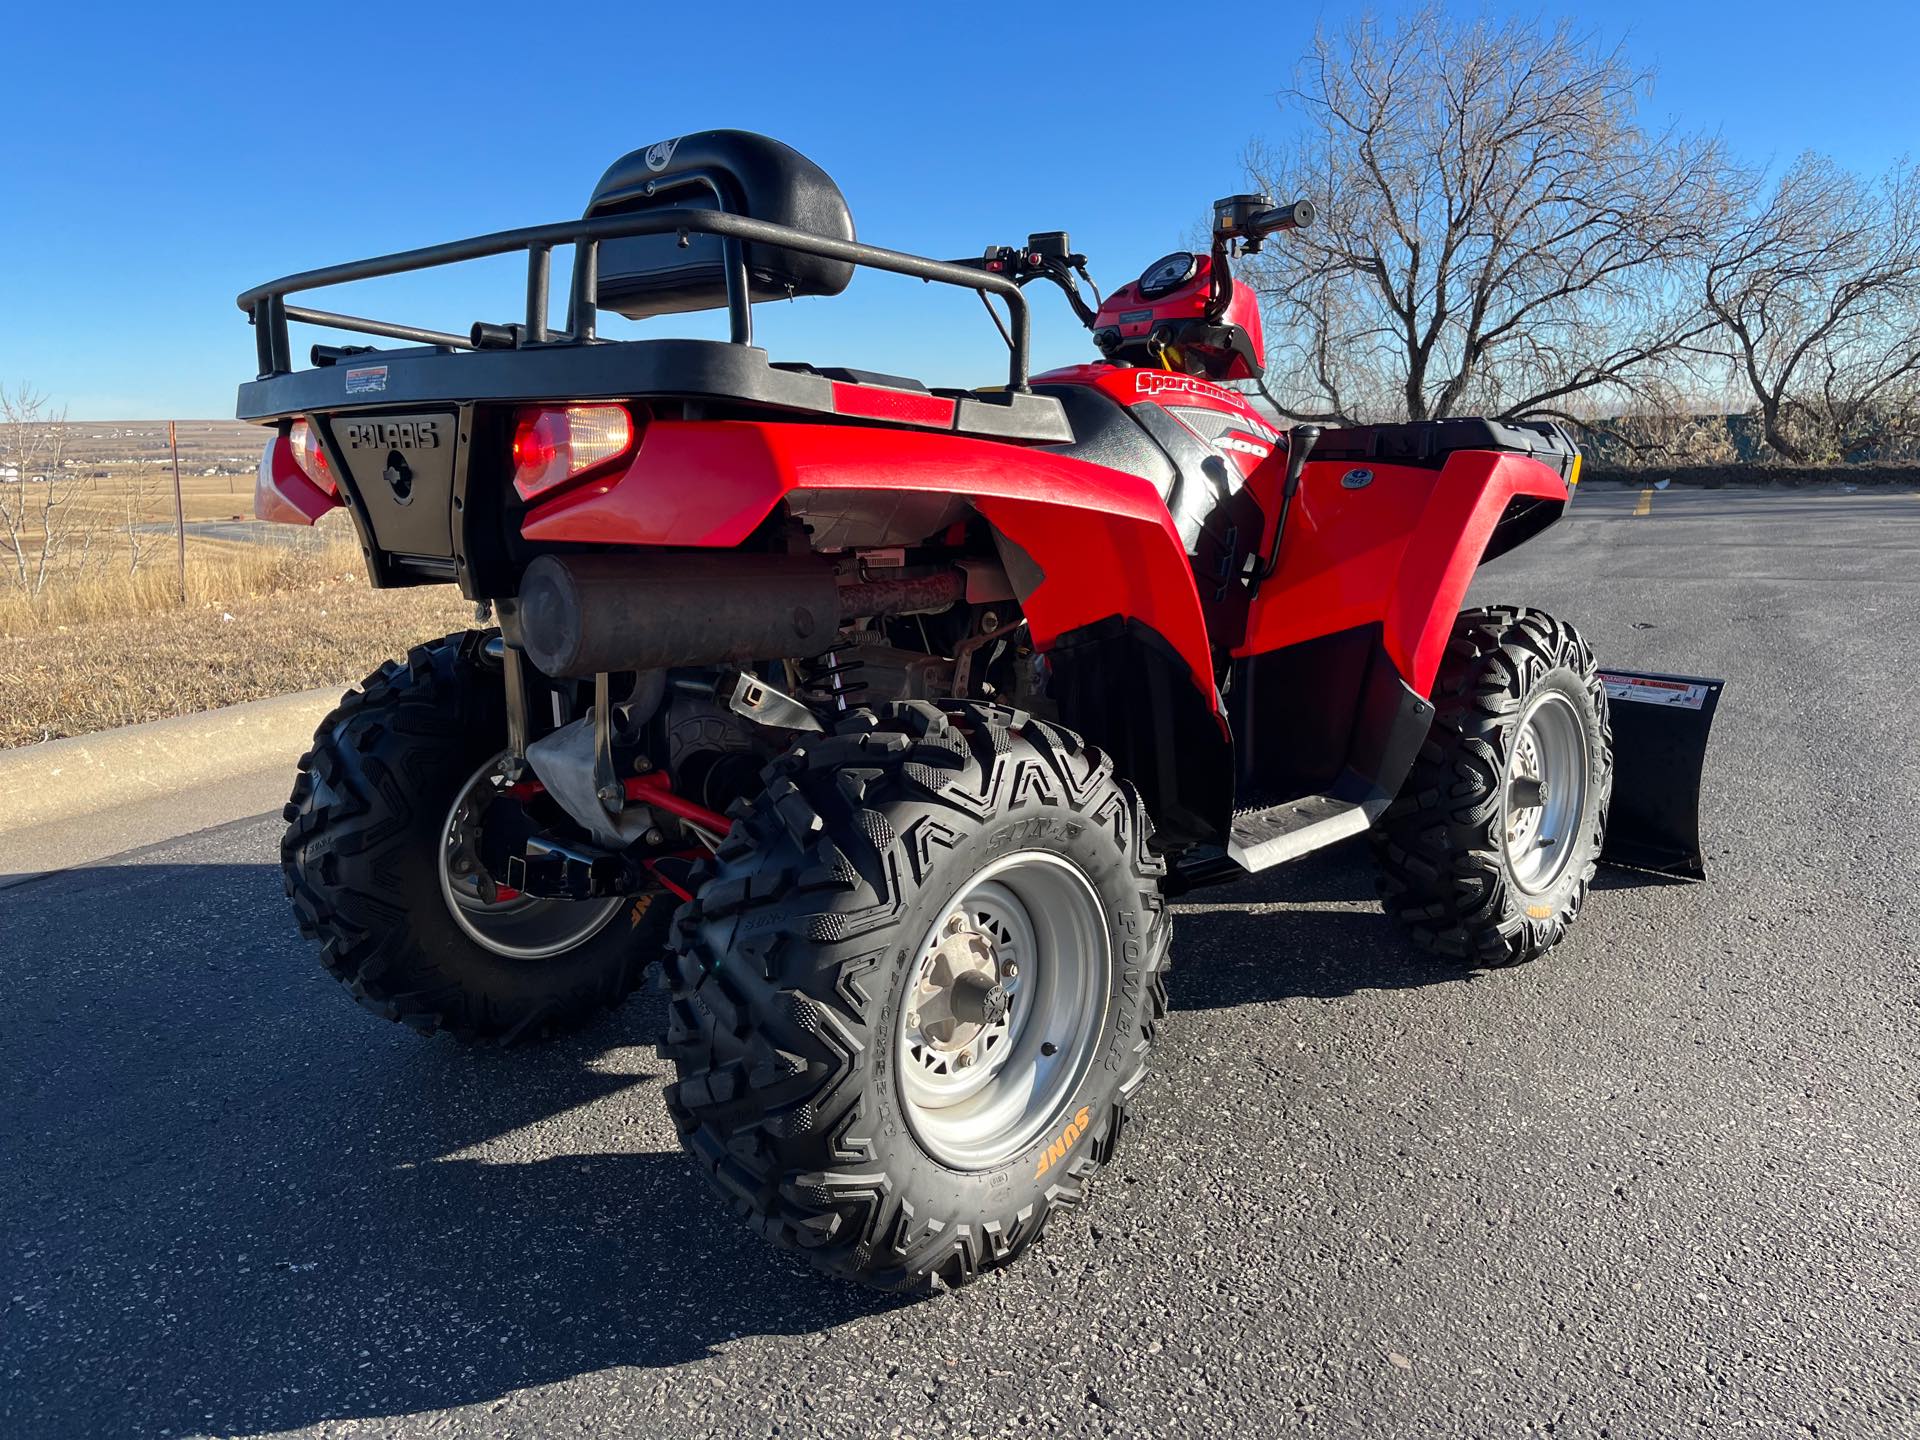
179 510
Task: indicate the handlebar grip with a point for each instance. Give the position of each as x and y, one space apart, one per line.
1296 216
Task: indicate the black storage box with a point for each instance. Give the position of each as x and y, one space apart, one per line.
642 275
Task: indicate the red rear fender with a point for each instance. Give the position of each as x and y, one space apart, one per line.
1092 543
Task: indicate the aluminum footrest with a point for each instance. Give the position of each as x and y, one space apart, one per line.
1266 837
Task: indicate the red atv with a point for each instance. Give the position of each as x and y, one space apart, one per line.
885 718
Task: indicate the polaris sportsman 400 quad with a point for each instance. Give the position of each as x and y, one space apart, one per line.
884 719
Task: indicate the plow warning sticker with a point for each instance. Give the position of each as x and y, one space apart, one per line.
1646 690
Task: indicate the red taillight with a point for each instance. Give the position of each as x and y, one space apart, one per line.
553 446
311 456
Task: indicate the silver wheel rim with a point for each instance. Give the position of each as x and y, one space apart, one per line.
1546 791
1013 976
522 928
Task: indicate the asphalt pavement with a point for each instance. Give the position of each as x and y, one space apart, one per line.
1663 1181
254 532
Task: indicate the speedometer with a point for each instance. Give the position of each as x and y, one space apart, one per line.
1167 274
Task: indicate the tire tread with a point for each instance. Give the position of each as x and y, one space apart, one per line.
354 819
1438 848
768 1036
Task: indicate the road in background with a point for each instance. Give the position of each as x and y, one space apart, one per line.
253 532
1663 1179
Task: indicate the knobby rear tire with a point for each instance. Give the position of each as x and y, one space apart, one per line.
787 983
360 862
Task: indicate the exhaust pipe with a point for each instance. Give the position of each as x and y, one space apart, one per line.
582 614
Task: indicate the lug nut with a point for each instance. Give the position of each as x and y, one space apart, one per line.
1010 971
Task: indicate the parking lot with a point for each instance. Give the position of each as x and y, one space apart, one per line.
1662 1180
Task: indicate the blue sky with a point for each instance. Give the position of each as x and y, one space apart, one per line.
160 159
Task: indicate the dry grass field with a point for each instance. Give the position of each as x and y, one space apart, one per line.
109 639
259 620
123 464
72 680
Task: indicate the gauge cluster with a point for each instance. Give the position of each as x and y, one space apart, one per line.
1167 274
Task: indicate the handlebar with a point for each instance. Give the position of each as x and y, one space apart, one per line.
1249 219
1296 216
1240 224
1043 252
1047 255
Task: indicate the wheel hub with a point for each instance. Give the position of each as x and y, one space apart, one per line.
1002 1007
519 927
959 995
1546 792
1526 792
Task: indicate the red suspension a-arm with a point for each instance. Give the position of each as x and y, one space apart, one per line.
655 789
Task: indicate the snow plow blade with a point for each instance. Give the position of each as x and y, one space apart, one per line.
1660 725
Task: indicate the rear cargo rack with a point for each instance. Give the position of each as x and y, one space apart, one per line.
268 311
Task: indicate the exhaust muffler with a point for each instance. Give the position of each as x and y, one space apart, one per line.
582 614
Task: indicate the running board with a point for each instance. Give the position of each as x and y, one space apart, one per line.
1261 839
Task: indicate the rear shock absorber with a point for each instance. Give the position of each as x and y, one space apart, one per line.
831 678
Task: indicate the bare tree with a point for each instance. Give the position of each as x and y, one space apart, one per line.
140 493
1817 289
1672 421
1498 230
43 519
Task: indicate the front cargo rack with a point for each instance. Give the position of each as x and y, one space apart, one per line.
268 311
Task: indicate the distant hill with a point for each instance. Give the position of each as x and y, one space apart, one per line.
202 442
